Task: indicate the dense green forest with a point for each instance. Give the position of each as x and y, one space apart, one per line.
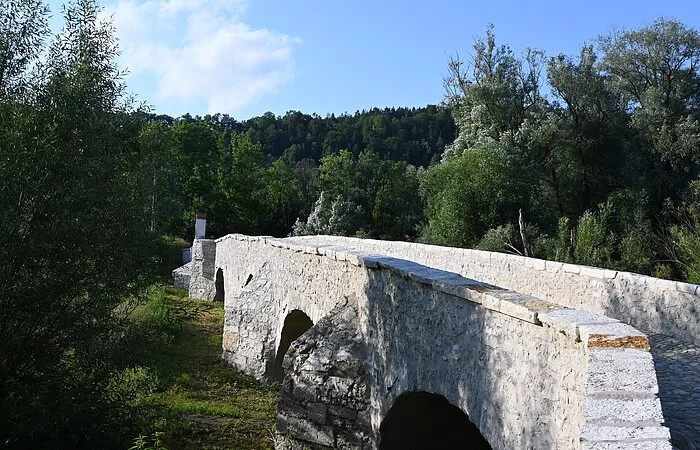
590 158
259 175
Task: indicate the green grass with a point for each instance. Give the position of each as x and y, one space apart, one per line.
188 394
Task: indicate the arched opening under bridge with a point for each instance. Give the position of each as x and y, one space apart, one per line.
420 420
219 286
295 324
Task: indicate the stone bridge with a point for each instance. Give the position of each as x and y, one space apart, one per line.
397 345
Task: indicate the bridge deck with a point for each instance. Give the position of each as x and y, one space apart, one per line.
678 373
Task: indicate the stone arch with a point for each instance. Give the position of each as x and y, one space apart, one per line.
295 324
420 420
219 286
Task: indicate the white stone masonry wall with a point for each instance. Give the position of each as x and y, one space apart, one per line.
528 372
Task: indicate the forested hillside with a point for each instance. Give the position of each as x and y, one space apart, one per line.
261 174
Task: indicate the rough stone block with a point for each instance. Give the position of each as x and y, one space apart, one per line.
300 429
514 305
354 258
610 274
352 441
328 251
182 275
568 320
230 341
686 288
613 335
644 445
554 266
604 410
537 264
426 275
462 287
305 392
201 286
400 266
316 412
571 268
338 386
311 250
592 272
490 301
616 371
340 411
621 434
378 261
278 243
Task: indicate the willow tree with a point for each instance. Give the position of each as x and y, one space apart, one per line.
73 236
655 71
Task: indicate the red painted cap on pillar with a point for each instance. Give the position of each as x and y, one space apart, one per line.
201 215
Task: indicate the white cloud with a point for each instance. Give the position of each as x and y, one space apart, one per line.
202 50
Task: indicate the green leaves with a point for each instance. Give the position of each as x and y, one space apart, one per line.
74 240
366 196
655 70
23 30
492 94
617 138
470 193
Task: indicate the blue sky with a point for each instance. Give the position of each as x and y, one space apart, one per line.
246 57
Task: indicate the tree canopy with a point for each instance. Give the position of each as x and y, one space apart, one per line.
73 240
606 161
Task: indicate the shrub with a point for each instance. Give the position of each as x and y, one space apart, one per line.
593 241
499 239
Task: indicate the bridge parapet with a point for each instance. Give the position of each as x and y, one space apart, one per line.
527 371
649 304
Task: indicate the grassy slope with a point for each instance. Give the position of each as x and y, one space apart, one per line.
198 402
